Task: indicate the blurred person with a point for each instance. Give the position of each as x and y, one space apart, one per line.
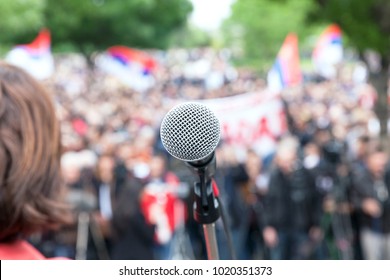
371 199
242 185
337 205
357 163
125 154
132 233
31 191
108 181
231 178
253 191
359 152
78 198
331 179
292 206
127 233
143 148
160 195
69 240
226 160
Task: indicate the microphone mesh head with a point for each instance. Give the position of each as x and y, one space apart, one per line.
190 132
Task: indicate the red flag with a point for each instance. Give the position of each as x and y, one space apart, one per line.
41 43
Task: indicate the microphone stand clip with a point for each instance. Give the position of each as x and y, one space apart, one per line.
206 206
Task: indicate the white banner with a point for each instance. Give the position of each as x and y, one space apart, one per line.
253 120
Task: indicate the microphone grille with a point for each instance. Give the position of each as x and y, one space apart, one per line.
190 131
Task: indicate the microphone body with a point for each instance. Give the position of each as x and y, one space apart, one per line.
190 132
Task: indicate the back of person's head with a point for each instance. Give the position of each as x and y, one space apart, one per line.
30 182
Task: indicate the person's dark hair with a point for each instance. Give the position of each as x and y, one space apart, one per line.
30 183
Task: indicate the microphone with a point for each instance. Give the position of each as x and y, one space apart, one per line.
190 132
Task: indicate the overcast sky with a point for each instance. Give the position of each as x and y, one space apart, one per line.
208 14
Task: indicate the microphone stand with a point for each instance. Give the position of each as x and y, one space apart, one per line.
206 207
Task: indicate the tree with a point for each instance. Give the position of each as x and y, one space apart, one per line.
367 25
20 19
191 36
260 27
97 24
90 25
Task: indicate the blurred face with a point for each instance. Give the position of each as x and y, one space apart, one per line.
322 137
312 155
286 161
361 148
157 167
253 165
70 174
105 168
312 150
125 152
376 163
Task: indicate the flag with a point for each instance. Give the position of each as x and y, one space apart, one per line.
36 57
286 70
328 51
133 67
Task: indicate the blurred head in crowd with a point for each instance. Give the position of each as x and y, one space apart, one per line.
323 135
376 162
361 147
286 154
70 168
30 183
158 166
105 168
312 155
253 164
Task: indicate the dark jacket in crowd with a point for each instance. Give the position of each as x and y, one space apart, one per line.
365 186
292 203
132 236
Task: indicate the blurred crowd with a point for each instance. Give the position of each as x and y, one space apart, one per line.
323 194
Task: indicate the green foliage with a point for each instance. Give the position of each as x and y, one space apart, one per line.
90 25
97 24
260 26
191 37
19 19
366 22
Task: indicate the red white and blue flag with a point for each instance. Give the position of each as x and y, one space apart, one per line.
36 57
328 51
133 67
286 70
